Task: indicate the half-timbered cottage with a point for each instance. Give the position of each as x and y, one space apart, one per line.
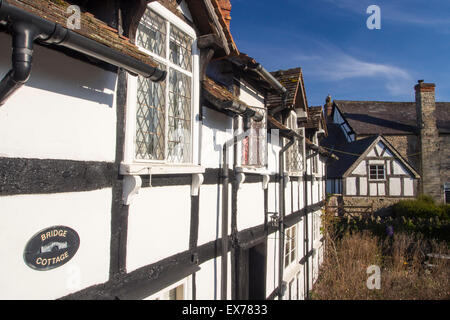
415 133
142 156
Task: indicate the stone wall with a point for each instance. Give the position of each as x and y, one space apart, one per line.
444 151
379 205
408 147
429 141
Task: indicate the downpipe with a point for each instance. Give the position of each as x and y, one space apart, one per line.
282 210
23 38
27 28
306 229
225 196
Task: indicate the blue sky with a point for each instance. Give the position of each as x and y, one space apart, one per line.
339 55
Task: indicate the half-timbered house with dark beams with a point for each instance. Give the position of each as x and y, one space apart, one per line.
140 158
416 135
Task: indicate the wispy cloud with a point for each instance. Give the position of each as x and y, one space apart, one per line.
333 64
399 12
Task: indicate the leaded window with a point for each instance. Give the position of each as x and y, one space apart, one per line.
290 245
254 145
164 109
296 153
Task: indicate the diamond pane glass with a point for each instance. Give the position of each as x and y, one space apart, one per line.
295 157
254 146
179 118
151 33
150 119
180 48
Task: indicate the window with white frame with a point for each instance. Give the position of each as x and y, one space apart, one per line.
164 110
290 246
376 172
254 145
447 192
315 156
296 153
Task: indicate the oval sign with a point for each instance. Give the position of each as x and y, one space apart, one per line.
51 248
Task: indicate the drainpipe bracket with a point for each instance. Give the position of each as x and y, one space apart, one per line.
265 181
131 186
197 181
286 179
240 178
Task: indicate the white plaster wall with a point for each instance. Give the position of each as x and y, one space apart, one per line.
150 238
208 279
376 161
272 263
308 190
395 187
316 191
363 186
65 111
273 197
373 189
295 193
250 96
379 146
350 186
216 130
210 213
398 168
310 243
361 168
287 198
372 153
88 213
409 186
250 206
301 190
381 189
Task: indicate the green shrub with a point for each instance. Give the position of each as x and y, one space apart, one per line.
423 207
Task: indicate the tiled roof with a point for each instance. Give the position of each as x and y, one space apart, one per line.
378 117
91 27
290 79
315 118
219 92
348 153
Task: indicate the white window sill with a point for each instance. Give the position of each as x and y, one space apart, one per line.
254 170
155 168
294 174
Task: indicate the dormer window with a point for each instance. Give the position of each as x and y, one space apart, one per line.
164 111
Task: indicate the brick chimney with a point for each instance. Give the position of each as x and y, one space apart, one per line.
328 108
225 8
428 140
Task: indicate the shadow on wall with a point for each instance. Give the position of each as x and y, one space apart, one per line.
55 72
